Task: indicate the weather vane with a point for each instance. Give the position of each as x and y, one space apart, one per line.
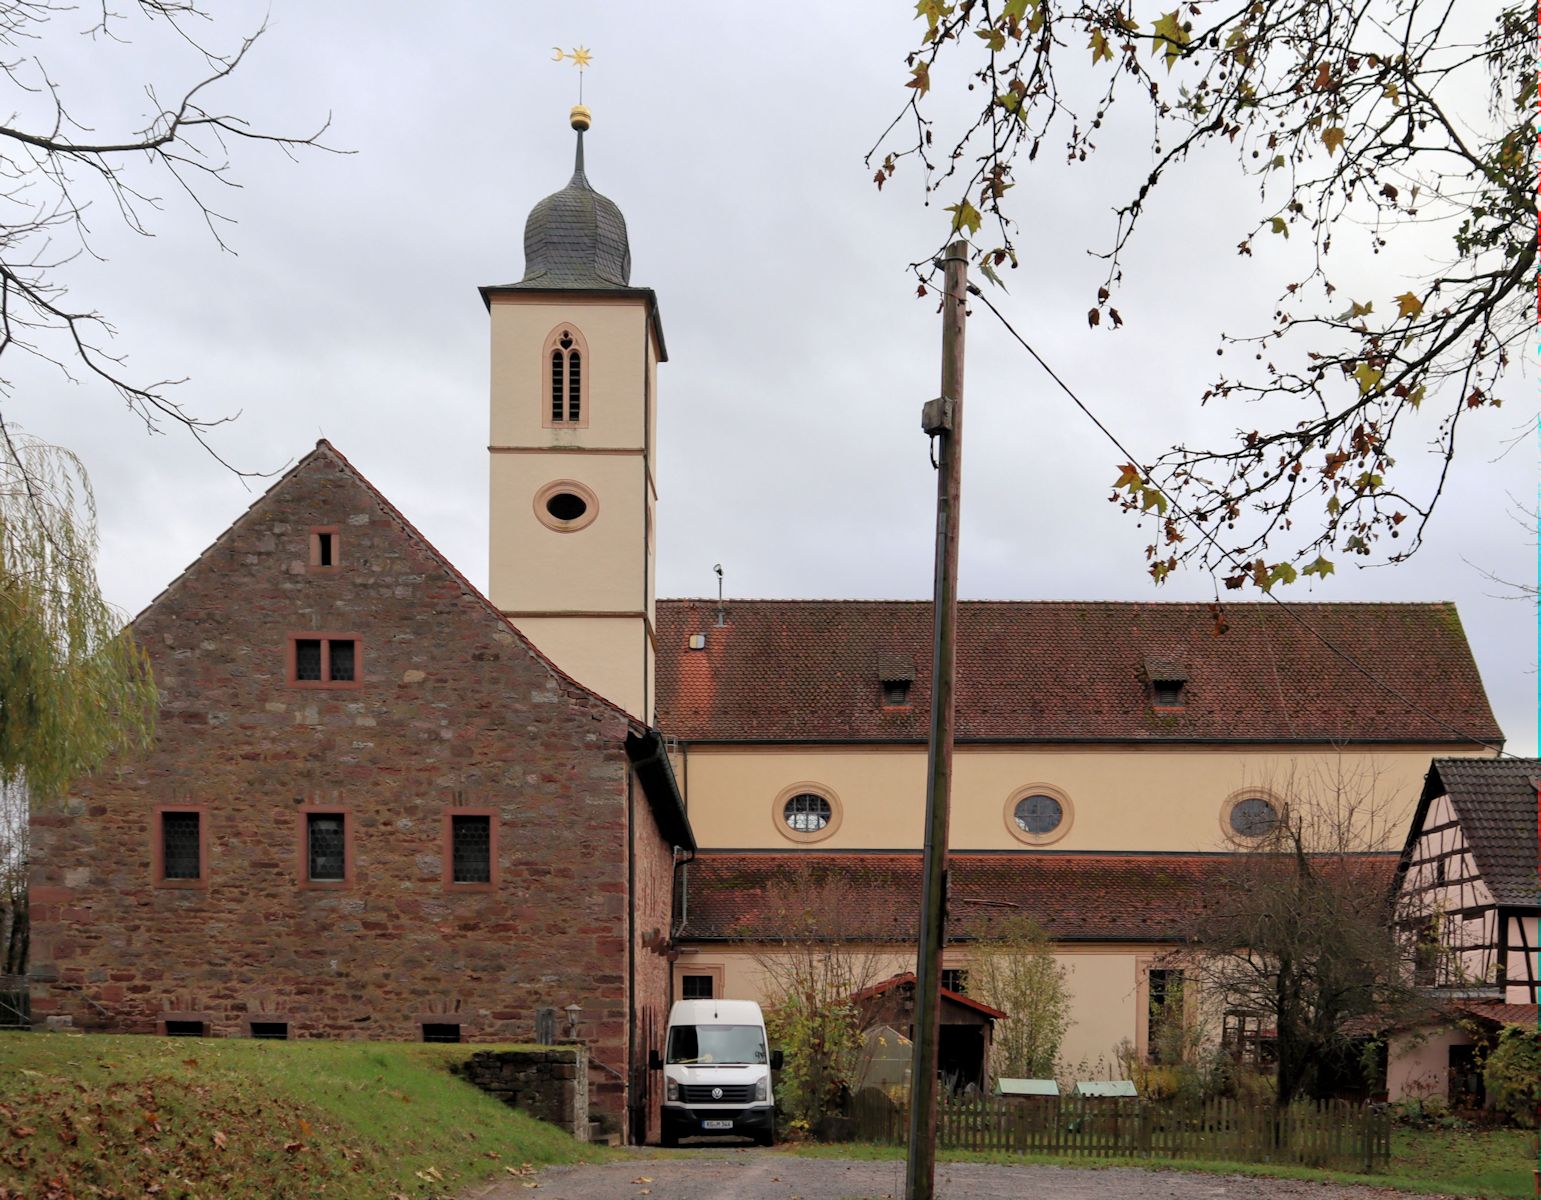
580 57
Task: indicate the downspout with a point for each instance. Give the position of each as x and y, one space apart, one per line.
631 955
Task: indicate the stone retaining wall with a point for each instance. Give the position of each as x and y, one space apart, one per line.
549 1084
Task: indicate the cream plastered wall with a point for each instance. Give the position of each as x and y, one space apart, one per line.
617 366
1105 984
596 568
584 595
1418 1063
605 654
1151 798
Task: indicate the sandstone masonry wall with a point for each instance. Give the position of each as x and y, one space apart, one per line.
452 710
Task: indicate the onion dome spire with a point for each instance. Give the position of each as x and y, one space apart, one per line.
576 238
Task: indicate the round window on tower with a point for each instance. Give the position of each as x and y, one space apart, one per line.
1038 814
566 505
806 812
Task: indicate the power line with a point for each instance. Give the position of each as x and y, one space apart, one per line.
1230 557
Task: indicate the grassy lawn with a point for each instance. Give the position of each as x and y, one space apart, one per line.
104 1116
1495 1163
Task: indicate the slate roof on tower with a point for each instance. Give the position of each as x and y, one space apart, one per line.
1067 671
576 238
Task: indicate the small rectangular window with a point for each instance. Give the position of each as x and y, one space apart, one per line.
181 846
270 1031
440 1032
186 1029
471 849
696 987
326 847
955 979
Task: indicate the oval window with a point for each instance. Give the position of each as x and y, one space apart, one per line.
1253 817
1038 814
807 812
566 506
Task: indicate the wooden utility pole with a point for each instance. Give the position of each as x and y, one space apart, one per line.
942 418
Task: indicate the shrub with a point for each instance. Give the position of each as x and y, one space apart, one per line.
1512 1074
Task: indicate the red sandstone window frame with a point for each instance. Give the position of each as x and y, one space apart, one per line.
158 846
553 344
302 846
447 849
326 638
314 566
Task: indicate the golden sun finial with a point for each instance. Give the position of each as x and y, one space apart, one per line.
579 56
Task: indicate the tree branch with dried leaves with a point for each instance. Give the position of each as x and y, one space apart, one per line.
1396 127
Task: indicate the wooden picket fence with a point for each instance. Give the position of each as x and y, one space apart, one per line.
1334 1134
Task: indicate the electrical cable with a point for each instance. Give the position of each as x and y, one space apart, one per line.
1230 557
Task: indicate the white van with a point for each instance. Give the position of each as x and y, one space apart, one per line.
717 1069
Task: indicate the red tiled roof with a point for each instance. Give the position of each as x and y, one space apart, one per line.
1502 1014
907 979
1074 897
807 670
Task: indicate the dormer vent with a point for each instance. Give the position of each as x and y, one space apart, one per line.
698 641
895 675
1168 683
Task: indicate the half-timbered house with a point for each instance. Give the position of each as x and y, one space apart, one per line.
1468 892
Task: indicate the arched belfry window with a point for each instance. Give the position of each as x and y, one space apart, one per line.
566 378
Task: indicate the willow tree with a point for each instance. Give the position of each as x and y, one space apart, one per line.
74 686
1398 131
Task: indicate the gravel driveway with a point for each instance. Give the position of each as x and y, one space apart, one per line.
772 1175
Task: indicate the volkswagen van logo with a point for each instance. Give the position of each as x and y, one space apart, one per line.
716 1093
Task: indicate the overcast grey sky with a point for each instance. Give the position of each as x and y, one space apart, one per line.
790 446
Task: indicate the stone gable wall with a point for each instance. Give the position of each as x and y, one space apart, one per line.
452 710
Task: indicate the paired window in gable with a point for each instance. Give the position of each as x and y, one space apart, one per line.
324 660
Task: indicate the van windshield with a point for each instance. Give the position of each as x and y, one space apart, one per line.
702 1045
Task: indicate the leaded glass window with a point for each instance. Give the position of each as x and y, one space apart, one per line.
180 848
1038 814
326 847
307 658
340 661
471 848
807 812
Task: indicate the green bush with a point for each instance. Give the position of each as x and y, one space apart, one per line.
1512 1074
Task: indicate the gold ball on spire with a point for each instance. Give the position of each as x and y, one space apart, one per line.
581 118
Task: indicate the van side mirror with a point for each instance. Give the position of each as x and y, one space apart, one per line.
654 1061
777 1058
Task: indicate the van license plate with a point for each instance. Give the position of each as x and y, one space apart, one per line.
716 1124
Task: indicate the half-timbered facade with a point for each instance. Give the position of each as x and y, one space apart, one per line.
1468 891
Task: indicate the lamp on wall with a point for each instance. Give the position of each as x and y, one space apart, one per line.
572 1011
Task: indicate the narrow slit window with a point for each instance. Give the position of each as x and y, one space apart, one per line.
574 385
471 849
326 847
270 1031
324 549
558 360
181 850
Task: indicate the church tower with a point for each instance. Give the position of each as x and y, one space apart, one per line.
575 352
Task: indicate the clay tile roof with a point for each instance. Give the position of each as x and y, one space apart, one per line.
802 670
1074 897
906 979
1495 800
1502 1014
